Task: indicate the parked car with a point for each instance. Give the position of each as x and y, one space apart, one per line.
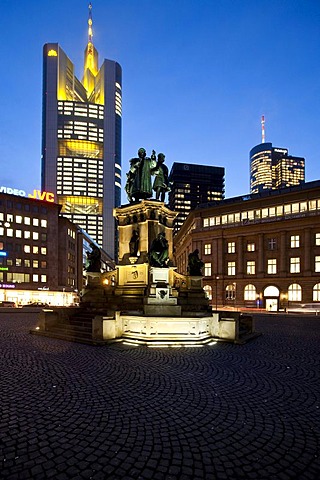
36 304
7 304
305 308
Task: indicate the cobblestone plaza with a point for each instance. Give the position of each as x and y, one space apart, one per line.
73 411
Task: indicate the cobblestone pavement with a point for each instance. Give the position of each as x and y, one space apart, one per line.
71 411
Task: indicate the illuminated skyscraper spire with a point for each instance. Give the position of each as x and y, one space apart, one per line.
90 58
262 129
90 24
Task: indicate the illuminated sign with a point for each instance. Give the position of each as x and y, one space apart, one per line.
3 254
7 285
47 196
4 269
37 194
281 150
52 53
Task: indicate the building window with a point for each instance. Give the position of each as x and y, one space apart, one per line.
295 265
18 277
27 234
231 292
231 268
35 263
251 267
231 247
35 277
251 247
294 293
295 241
272 266
272 243
27 249
27 221
207 269
316 293
317 239
43 250
43 223
18 262
207 248
250 292
317 263
208 291
35 235
43 278
27 262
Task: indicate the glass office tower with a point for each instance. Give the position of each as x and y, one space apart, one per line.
81 139
193 185
272 168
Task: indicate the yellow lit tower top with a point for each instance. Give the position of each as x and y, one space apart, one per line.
90 59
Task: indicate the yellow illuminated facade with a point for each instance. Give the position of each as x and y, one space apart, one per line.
272 168
81 148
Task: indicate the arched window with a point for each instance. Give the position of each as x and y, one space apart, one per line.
316 293
208 290
250 292
294 292
271 291
231 291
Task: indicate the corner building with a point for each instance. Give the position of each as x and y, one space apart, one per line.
259 250
42 254
81 140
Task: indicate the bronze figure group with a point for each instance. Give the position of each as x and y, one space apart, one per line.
139 178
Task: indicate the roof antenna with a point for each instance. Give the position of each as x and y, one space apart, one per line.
263 133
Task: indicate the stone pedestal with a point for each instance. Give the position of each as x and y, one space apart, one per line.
149 218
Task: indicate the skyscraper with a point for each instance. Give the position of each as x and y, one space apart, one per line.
81 139
192 185
272 168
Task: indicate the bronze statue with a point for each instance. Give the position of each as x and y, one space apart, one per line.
134 243
161 182
93 259
158 255
195 265
138 185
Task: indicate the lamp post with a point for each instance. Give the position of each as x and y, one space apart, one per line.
217 278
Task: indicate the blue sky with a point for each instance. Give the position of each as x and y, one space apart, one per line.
197 76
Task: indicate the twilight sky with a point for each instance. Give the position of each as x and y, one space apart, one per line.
197 76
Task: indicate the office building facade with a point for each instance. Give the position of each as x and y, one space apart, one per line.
259 250
42 254
191 185
81 139
272 168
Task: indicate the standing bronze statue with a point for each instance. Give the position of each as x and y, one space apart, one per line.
138 185
161 182
134 243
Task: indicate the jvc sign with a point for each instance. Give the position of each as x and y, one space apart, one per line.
37 194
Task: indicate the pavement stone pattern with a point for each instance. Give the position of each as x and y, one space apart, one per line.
73 411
